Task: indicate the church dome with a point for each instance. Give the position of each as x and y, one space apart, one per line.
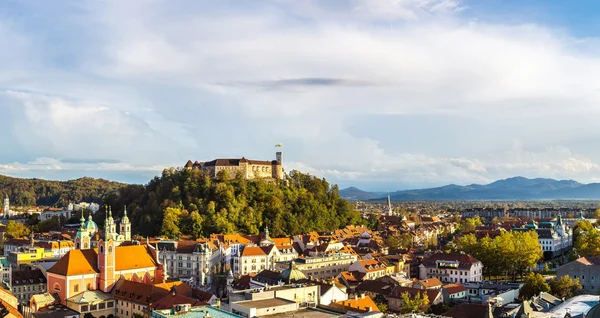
291 275
90 224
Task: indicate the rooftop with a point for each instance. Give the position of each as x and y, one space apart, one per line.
264 303
195 312
58 311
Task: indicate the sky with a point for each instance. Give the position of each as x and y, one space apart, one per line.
382 95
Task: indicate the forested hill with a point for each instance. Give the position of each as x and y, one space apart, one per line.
28 192
185 201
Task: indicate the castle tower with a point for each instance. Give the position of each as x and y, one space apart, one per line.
6 207
125 226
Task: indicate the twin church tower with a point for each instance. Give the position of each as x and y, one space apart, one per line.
88 236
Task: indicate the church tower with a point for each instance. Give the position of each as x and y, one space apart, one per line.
125 226
106 255
6 207
81 233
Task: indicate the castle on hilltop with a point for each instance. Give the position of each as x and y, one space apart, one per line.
250 169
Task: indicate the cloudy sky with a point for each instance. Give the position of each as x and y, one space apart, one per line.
383 95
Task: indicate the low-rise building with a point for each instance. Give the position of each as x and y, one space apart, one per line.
5 270
26 283
372 268
323 266
484 291
454 292
451 268
189 259
586 269
58 311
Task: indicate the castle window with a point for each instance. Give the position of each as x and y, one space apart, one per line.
85 245
110 249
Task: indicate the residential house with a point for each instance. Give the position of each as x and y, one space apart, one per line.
372 268
454 292
189 259
451 268
432 283
26 283
586 269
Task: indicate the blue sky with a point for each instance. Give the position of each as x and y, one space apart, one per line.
382 95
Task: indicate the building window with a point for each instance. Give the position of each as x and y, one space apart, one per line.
76 288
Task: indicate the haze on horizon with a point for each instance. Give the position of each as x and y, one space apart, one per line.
381 95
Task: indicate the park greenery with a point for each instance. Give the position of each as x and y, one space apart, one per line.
508 255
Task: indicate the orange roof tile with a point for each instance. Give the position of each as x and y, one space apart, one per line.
362 304
253 251
431 282
79 262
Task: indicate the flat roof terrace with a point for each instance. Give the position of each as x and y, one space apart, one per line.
264 303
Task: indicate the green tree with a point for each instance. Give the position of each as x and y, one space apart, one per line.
381 302
170 227
399 241
88 315
587 243
16 230
565 287
533 285
196 222
419 303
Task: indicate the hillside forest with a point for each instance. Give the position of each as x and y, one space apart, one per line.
190 202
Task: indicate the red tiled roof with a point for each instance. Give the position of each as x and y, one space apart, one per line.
253 251
454 288
464 260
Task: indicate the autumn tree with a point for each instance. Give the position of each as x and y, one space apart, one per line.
170 224
533 285
565 287
419 303
399 241
16 230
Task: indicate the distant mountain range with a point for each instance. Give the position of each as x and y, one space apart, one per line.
517 188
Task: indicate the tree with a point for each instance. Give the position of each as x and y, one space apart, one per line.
197 222
88 315
587 242
469 225
401 241
381 302
533 285
16 230
170 227
496 221
546 268
419 303
565 287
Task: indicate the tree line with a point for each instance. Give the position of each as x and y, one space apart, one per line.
509 254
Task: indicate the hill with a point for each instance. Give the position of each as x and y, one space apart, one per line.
188 201
516 188
353 193
28 192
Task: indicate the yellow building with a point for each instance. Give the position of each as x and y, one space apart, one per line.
28 255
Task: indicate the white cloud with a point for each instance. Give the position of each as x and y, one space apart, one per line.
157 85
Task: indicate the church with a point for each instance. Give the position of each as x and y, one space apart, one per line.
97 265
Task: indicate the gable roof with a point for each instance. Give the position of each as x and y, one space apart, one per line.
171 299
431 282
81 262
253 251
464 260
454 288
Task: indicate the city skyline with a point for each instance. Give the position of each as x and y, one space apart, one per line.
381 95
